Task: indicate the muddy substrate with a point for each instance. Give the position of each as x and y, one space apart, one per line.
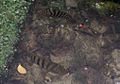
91 53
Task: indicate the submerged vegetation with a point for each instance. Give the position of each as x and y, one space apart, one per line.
12 14
102 7
106 7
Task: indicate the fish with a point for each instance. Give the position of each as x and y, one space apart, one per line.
48 65
56 13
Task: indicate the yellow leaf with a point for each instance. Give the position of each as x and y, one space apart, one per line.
21 69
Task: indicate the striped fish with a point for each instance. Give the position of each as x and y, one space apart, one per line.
49 65
56 13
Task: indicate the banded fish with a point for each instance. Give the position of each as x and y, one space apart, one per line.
56 13
49 65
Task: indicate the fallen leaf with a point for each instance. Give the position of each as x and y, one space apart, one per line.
21 69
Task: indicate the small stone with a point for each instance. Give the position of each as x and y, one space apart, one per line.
117 83
96 4
62 26
86 20
111 15
85 68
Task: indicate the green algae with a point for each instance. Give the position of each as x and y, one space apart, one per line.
12 14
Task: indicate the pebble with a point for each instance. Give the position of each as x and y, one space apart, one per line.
62 26
85 68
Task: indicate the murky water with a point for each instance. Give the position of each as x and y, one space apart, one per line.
79 40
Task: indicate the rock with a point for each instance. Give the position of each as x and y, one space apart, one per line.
116 66
98 28
71 3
